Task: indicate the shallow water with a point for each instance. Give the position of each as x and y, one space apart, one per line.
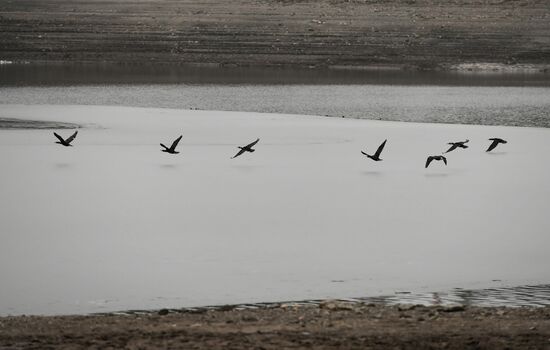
485 99
520 296
538 295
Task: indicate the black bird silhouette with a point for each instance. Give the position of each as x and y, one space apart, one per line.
172 149
247 148
430 158
66 142
495 143
376 155
455 145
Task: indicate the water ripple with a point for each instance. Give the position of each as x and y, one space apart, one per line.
522 296
538 295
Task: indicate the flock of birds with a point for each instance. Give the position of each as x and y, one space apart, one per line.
248 148
172 149
454 145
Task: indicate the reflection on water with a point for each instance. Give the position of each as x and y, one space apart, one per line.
372 173
63 165
436 175
169 166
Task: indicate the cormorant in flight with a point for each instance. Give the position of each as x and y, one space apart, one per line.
172 149
455 145
376 155
66 142
430 158
495 143
247 148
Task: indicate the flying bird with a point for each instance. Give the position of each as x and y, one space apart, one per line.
455 145
247 148
495 143
172 149
376 155
430 158
66 142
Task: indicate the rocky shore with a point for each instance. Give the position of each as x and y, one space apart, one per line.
410 34
329 325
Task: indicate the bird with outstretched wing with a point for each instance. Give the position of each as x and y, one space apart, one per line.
455 145
172 148
430 158
496 142
65 142
247 148
376 155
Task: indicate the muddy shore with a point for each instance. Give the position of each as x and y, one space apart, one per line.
330 325
412 34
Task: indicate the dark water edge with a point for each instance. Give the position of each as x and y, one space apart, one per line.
521 296
58 74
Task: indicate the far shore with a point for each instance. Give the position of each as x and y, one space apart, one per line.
411 35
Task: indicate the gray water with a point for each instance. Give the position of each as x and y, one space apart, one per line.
490 99
460 98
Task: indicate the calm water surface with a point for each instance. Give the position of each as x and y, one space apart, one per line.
488 99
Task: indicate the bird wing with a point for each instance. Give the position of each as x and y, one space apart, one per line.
59 137
166 148
452 148
428 161
251 144
241 151
444 160
492 145
379 150
71 138
175 143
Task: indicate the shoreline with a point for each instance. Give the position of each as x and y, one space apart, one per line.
533 296
330 325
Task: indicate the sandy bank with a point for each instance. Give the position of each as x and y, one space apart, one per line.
331 326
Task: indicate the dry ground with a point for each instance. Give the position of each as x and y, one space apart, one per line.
422 34
331 326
